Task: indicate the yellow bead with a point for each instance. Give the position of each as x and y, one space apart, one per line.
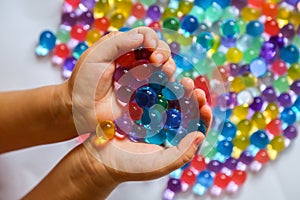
234 55
117 19
271 112
249 13
169 12
249 80
295 18
124 6
237 85
271 152
105 131
92 36
294 71
236 153
184 7
278 143
240 112
102 7
183 40
259 120
241 142
244 127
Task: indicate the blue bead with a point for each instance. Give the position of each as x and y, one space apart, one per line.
288 116
79 49
205 179
230 29
176 173
259 139
254 28
46 43
189 23
225 147
183 63
124 29
173 91
289 54
203 4
158 80
173 118
152 119
145 120
145 97
258 67
223 3
198 189
297 103
174 136
156 137
206 40
229 130
197 52
196 125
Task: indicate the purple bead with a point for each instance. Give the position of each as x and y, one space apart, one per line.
135 83
246 157
86 18
244 69
119 73
154 12
234 69
268 51
228 42
240 4
89 4
69 19
296 87
288 31
278 40
233 98
285 99
174 185
224 100
257 104
137 133
214 166
124 93
68 67
269 94
175 48
290 132
231 163
292 2
123 125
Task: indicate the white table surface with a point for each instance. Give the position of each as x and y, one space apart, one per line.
21 23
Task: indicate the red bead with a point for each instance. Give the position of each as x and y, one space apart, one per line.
239 177
188 177
256 3
271 27
221 180
142 54
138 10
102 24
141 69
135 111
270 9
61 51
262 156
202 82
127 59
73 3
155 25
78 33
198 163
275 127
279 67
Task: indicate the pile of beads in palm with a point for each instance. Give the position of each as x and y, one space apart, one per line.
243 54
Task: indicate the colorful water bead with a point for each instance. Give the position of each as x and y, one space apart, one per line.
258 67
281 84
102 24
279 67
206 40
62 35
221 181
171 23
272 27
259 139
154 13
294 71
230 29
173 91
145 97
68 67
288 115
204 181
234 55
46 43
117 19
102 7
189 23
277 143
254 28
78 33
92 36
174 136
259 120
138 10
229 129
79 49
105 131
289 54
188 177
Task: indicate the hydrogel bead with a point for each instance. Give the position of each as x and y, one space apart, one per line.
270 9
171 23
250 54
241 112
268 79
221 180
241 142
256 3
189 23
86 19
198 163
205 179
174 136
259 120
258 67
239 177
46 43
274 127
279 67
108 128
78 33
154 13
262 156
92 36
102 7
117 19
244 126
62 35
230 29
246 158
295 87
169 12
213 13
127 59
249 13
145 97
79 49
289 54
156 137
218 58
271 111
68 67
281 84
137 134
294 71
229 129
188 177
173 91
138 10
290 132
61 50
234 55
225 147
272 27
277 143
269 94
102 24
206 40
288 31
288 116
285 99
68 19
124 93
237 84
184 7
268 51
173 118
123 125
255 28
135 111
198 12
197 125
73 3
148 2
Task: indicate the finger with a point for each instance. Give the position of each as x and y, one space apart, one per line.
188 85
206 115
169 69
161 54
200 97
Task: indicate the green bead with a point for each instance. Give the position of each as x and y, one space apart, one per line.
257 42
171 23
162 102
250 54
294 71
169 12
241 142
148 2
230 12
242 25
138 23
218 58
296 41
63 35
198 12
204 67
185 6
213 13
281 84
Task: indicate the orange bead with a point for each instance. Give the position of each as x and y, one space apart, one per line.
102 24
262 156
256 3
239 177
270 9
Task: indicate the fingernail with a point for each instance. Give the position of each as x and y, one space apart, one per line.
159 58
198 141
153 43
136 36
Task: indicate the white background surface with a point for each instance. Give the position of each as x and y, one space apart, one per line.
21 23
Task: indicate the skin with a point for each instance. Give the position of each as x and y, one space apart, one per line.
46 115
